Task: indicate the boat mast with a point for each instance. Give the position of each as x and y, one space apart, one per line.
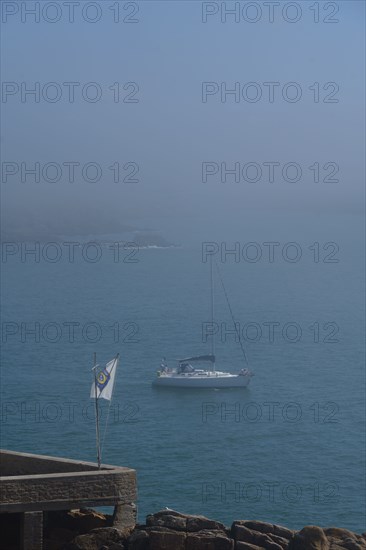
96 412
212 312
232 316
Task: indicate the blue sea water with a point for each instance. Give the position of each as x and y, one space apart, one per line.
289 449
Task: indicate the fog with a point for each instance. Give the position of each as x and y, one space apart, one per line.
167 123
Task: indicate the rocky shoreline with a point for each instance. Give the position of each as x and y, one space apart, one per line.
170 530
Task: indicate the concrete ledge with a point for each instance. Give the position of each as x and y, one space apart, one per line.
14 463
78 485
34 484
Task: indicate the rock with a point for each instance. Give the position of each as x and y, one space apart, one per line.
209 540
338 533
260 526
171 530
246 546
309 538
242 533
351 544
283 532
168 519
266 528
262 534
139 540
95 539
84 520
344 539
182 522
281 541
167 540
61 534
200 523
82 542
110 534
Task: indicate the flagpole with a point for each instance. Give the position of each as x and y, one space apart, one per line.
109 406
96 412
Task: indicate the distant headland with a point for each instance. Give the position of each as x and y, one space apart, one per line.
129 239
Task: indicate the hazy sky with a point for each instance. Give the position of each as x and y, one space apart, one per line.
169 132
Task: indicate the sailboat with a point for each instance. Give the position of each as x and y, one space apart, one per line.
185 375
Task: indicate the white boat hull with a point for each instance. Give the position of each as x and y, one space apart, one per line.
209 380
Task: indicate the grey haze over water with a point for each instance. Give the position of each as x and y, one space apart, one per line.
169 132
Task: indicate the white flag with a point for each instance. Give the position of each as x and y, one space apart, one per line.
105 381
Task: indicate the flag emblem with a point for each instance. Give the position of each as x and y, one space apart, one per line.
103 379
